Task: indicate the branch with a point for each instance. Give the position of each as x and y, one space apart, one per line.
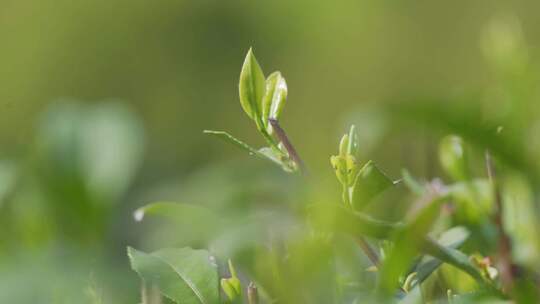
282 136
368 251
359 224
504 242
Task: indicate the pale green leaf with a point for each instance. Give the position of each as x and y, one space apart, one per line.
251 87
229 138
274 97
185 275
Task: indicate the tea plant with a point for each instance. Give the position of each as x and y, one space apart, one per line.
409 259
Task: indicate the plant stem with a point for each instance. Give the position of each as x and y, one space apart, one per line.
368 251
150 294
252 293
362 242
504 243
358 224
282 136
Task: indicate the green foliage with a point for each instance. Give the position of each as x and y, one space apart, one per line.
316 258
263 101
183 275
252 88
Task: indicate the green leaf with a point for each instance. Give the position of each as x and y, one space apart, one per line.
274 97
186 219
369 182
407 243
251 87
453 157
331 217
177 211
265 152
185 275
231 139
452 238
410 182
352 149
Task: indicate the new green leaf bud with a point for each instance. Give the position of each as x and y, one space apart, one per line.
274 98
251 88
229 286
344 145
352 149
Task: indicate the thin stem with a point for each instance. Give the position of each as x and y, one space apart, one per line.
368 251
504 242
253 294
362 242
270 140
282 136
150 294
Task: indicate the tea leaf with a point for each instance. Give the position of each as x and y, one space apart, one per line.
452 238
369 182
251 87
274 97
185 275
228 137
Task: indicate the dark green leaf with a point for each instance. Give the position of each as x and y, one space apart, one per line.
369 182
407 243
452 238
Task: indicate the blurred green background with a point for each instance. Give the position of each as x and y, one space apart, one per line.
103 103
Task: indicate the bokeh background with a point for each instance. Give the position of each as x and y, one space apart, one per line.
103 103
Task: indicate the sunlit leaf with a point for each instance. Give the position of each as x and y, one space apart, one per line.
274 97
252 87
184 275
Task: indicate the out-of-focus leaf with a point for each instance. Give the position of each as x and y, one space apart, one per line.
202 223
461 117
452 238
369 182
407 243
453 157
412 297
473 200
414 186
100 145
8 178
111 148
251 87
330 217
274 97
232 285
185 275
177 212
